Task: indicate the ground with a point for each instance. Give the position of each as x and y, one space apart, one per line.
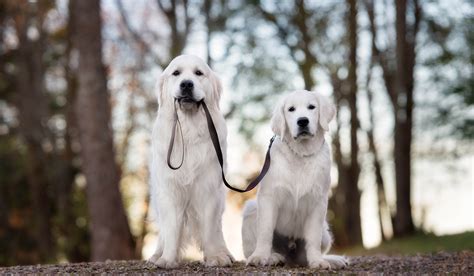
433 263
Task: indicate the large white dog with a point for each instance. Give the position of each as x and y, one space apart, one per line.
189 201
287 222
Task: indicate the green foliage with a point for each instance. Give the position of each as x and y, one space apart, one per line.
452 74
420 243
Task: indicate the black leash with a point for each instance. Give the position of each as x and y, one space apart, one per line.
173 134
217 147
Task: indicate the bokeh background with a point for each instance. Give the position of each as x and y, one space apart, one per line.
77 104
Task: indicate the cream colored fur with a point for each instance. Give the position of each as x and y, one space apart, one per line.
288 219
188 202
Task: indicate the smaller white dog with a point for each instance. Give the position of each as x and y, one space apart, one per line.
287 223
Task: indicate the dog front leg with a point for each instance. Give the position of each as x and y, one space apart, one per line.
266 220
313 232
171 224
214 247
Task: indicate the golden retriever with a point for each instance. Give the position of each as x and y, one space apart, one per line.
189 201
287 222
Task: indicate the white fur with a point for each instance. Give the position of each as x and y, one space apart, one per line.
293 197
189 202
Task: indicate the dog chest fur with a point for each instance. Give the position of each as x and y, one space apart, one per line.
298 184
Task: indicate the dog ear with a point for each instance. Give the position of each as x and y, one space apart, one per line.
327 110
278 122
216 87
160 89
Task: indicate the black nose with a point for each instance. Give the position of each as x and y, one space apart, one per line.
302 122
186 85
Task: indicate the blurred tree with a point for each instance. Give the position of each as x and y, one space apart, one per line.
297 28
179 22
399 83
453 116
403 103
32 104
111 237
33 109
216 16
350 189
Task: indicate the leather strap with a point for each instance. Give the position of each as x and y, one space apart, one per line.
176 123
217 147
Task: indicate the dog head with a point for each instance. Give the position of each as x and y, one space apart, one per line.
188 79
301 115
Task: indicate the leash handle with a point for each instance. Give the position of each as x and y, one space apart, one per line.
217 148
173 134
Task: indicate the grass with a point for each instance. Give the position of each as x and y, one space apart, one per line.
419 243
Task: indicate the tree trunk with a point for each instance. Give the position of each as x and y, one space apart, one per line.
403 222
31 101
337 203
206 6
399 83
353 225
305 69
346 198
111 237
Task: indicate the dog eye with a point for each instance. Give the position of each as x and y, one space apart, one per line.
176 73
310 107
291 109
198 73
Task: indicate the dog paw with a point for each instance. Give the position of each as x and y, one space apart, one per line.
232 259
257 260
276 259
336 261
163 263
221 259
263 260
319 263
154 258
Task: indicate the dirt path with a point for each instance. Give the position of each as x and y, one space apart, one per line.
458 263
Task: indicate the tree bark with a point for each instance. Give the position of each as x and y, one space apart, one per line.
111 237
403 222
337 203
353 225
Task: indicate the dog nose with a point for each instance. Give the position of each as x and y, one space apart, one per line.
302 122
186 85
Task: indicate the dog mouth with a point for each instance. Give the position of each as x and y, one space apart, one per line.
305 133
187 100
